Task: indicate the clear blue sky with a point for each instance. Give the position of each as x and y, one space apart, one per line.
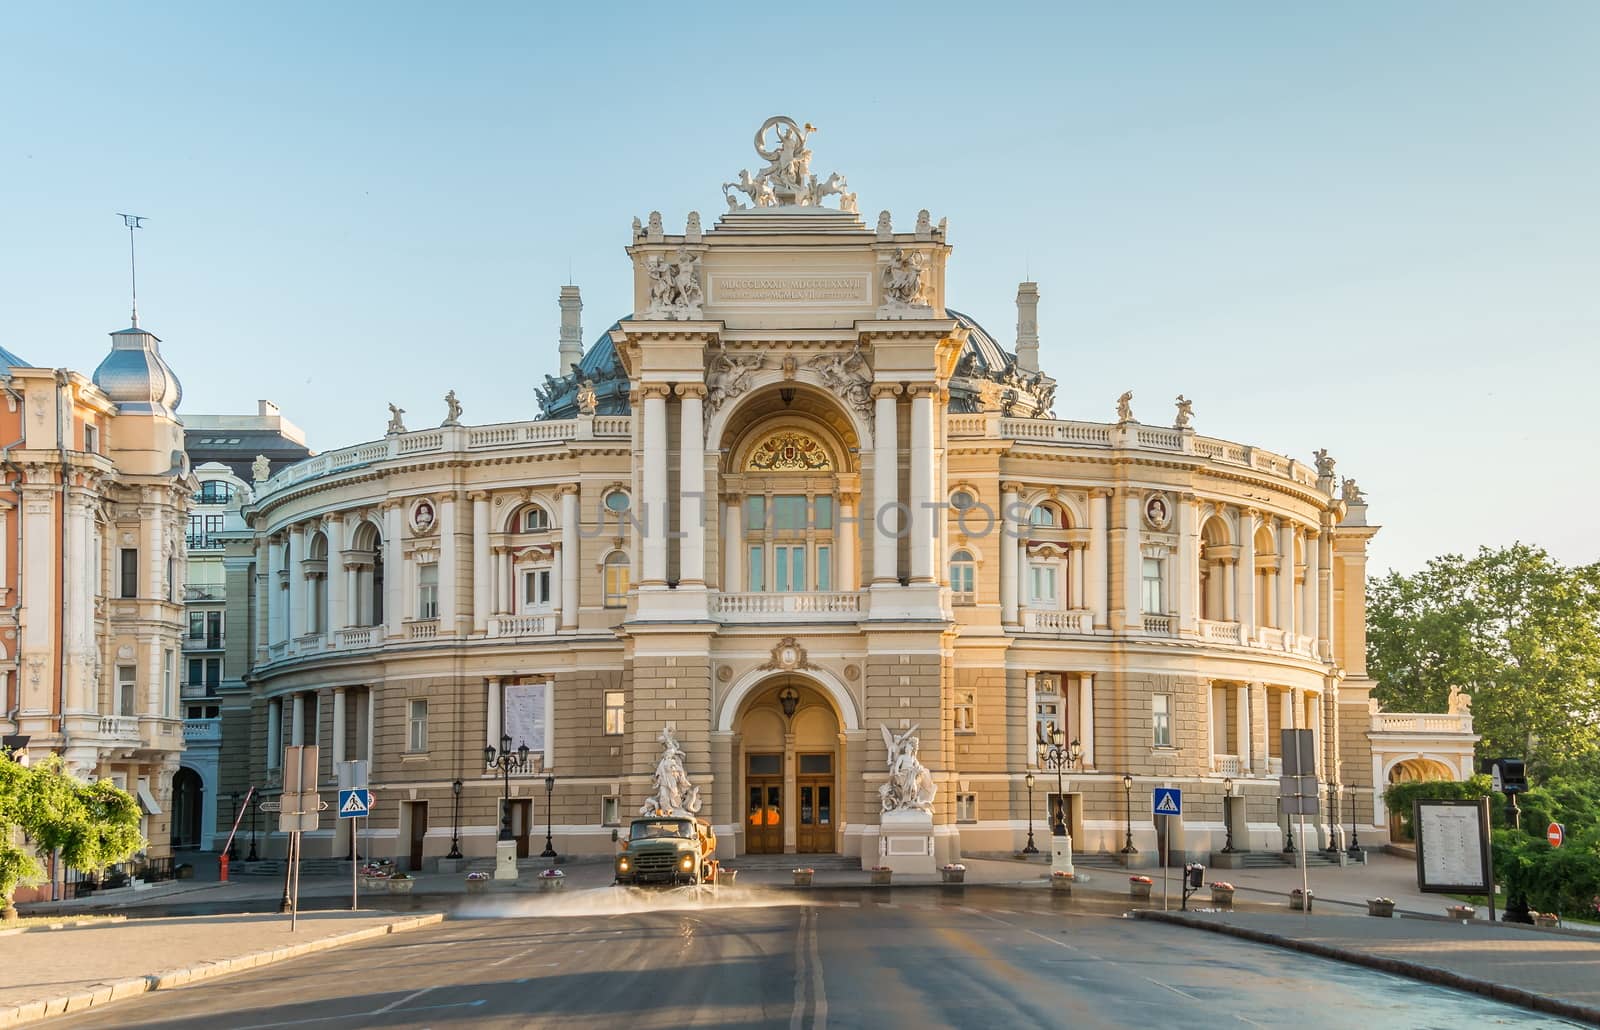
1367 227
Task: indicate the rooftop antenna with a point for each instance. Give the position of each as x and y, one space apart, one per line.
133 222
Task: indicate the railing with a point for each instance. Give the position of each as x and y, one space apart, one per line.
422 629
1038 620
1421 722
311 643
835 605
613 425
521 625
1159 439
1159 625
1274 767
1092 434
1272 639
1219 632
202 731
120 727
355 636
1227 765
969 425
278 651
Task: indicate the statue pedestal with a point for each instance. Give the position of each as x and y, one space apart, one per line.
505 860
905 842
1061 854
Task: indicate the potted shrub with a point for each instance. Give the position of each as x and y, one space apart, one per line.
1061 882
1383 908
373 876
954 872
1462 912
802 876
881 875
552 879
1139 886
477 883
1222 894
1548 919
401 883
1300 900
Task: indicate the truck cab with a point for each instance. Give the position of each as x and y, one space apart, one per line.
667 849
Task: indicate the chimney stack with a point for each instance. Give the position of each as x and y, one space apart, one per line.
1028 326
571 329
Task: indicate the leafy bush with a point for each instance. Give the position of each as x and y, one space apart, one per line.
1399 796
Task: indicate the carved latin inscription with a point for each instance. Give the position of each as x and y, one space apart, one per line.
747 289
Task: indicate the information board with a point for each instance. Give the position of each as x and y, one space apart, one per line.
524 721
1453 846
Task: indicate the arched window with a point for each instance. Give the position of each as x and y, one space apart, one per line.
1044 517
214 491
616 579
533 519
962 578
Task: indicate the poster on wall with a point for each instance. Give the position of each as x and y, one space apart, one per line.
524 719
1452 846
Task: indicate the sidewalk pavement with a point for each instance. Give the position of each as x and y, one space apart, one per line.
1548 971
67 970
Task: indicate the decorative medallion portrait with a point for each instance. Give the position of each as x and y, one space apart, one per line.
1158 511
422 516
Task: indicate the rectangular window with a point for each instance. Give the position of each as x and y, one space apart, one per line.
822 512
197 625
615 713
91 438
797 567
610 810
130 572
169 686
213 629
1042 579
1152 587
755 514
789 512
1161 720
824 567
816 765
213 673
616 581
417 726
966 808
966 713
764 765
428 591
127 690
757 580
536 589
195 675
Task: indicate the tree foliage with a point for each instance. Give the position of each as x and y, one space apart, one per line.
93 825
1513 628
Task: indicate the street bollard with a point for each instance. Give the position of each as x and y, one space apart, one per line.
222 868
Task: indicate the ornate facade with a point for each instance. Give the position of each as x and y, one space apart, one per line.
788 510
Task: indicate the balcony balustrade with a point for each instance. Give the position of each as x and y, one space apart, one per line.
1044 620
522 625
1159 625
121 729
1424 722
1219 632
353 637
819 606
1227 765
202 731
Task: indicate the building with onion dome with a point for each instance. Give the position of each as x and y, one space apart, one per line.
791 512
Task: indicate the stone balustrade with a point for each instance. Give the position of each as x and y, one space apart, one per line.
1219 632
202 731
1039 620
521 625
817 606
1415 722
422 629
1227 765
120 728
1159 625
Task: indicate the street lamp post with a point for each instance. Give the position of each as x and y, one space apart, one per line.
233 842
252 856
455 821
1227 822
1355 838
1030 849
549 791
504 760
1127 811
1060 755
1332 847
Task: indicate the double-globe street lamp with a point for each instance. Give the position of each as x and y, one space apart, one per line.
505 760
1060 755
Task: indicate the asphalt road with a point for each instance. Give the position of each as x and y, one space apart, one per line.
985 957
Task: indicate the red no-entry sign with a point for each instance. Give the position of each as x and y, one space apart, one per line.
1555 834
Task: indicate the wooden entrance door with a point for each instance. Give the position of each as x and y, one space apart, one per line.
419 830
816 798
764 815
521 820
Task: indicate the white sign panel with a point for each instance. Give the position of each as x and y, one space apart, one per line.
524 720
1451 847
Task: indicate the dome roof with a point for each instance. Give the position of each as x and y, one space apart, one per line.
135 376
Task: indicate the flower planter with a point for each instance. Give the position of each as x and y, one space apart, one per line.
881 877
1300 902
1060 883
1460 911
802 877
954 875
401 886
1383 909
1140 888
477 886
1221 898
1547 919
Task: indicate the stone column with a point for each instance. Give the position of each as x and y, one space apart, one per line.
1245 580
447 563
296 623
370 719
1086 718
1030 732
338 724
1286 605
885 486
570 556
263 597
394 567
1313 578
297 720
691 485
335 580
1078 557
274 732
1241 701
1314 724
1023 576
1258 728
922 498
733 545
1186 576
482 573
653 511
1230 587
1010 533
1099 550
1286 719
1132 562
491 701
845 546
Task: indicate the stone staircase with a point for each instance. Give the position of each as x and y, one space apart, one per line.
308 867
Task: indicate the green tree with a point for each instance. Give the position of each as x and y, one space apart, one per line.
1512 627
43 809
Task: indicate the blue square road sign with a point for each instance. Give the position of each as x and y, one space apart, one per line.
355 804
1166 801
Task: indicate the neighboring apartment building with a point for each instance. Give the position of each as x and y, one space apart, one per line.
96 487
223 450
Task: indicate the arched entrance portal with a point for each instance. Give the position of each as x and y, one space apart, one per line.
788 756
1405 771
188 799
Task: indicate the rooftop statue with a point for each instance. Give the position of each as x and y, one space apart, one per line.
260 469
786 181
1324 463
1125 408
1185 413
452 410
1352 493
396 425
588 400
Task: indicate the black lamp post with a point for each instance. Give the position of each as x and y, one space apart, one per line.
1060 754
549 792
1332 847
455 823
1030 849
1227 823
233 841
252 856
504 760
1127 814
1355 838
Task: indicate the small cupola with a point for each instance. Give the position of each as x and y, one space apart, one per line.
135 376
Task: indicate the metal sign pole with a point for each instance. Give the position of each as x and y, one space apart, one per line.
294 879
355 890
1166 857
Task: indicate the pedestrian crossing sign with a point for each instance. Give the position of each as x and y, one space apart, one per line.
1166 801
355 804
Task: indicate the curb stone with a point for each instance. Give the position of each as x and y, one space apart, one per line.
1400 967
78 1002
